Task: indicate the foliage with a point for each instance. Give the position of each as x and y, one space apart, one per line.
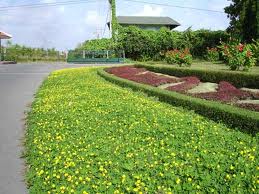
188 83
239 79
225 92
97 45
140 75
152 45
245 120
114 22
244 19
86 135
212 54
180 57
18 53
137 43
147 45
238 56
202 39
255 50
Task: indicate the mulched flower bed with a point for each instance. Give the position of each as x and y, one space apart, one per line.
226 92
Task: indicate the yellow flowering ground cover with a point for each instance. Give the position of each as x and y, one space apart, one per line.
86 135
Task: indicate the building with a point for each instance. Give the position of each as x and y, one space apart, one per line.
147 23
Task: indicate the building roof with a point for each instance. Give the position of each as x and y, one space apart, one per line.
145 20
4 35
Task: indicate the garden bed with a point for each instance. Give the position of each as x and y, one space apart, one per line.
86 135
223 91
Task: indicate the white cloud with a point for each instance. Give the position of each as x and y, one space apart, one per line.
61 9
48 1
93 18
149 10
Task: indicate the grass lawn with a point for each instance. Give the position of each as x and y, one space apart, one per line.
206 65
86 135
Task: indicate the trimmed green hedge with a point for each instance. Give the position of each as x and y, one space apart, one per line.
245 120
239 79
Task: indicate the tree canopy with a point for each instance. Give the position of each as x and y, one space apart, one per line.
244 19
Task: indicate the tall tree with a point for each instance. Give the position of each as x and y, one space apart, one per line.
257 18
244 19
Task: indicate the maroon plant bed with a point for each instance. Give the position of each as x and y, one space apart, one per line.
226 92
140 75
125 71
254 107
188 83
152 79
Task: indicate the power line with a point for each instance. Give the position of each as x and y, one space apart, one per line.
40 5
176 6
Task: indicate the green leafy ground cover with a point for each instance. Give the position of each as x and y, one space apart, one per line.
86 135
205 65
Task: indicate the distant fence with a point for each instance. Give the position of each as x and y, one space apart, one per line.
105 56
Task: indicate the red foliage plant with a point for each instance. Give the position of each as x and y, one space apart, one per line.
140 75
254 107
226 93
188 83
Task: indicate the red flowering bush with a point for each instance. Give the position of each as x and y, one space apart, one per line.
238 56
180 57
255 51
212 54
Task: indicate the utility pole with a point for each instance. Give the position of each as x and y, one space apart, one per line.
113 22
98 32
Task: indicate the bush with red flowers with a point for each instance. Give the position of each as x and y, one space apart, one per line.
180 57
238 56
212 54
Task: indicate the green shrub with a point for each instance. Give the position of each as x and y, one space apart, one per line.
202 39
212 54
97 45
18 53
145 45
239 79
247 121
255 51
180 57
238 56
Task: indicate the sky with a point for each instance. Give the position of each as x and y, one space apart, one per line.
65 26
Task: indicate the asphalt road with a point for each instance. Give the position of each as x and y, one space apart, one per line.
18 84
